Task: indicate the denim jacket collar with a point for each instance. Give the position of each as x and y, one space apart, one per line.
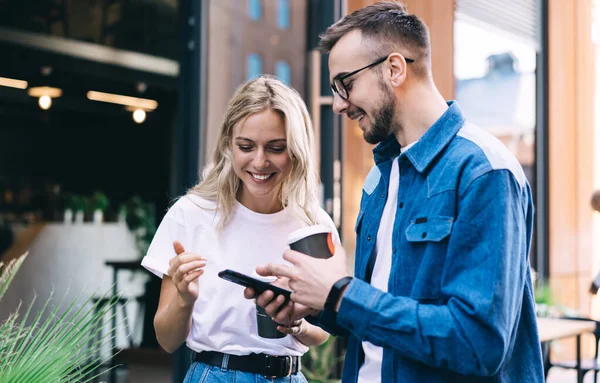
429 145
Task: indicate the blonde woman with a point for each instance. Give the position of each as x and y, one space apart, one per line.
261 185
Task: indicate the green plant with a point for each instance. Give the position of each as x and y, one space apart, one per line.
140 219
548 306
99 201
75 202
318 363
543 293
67 347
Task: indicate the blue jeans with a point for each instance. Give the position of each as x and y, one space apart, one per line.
205 373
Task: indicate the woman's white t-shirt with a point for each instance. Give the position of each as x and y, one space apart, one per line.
222 319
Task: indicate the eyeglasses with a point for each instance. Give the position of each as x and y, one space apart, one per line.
339 87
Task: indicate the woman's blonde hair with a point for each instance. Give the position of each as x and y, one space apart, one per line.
299 190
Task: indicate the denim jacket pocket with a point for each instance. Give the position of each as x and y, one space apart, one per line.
429 229
428 255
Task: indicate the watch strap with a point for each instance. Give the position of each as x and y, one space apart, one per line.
334 293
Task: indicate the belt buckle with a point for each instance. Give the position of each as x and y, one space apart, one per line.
289 372
268 365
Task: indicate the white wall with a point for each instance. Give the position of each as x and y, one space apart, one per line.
67 261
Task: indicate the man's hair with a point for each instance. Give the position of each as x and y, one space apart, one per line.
386 27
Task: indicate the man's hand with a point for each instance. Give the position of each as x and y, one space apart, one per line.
310 279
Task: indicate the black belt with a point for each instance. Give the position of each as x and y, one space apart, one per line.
268 366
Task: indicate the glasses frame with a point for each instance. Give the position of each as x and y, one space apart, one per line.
341 78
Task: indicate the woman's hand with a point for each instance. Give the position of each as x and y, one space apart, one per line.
282 312
296 328
185 269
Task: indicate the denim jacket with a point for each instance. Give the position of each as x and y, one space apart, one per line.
460 305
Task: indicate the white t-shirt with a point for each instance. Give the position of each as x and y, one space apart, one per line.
370 371
222 319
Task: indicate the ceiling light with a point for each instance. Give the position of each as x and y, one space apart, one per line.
12 83
46 70
45 102
40 91
139 116
135 102
45 94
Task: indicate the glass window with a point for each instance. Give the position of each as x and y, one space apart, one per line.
253 66
255 9
249 48
283 14
283 72
496 88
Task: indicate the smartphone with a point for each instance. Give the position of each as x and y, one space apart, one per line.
248 281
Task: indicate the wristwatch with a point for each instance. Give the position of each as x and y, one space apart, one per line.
334 293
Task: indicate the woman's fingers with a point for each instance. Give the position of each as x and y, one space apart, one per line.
295 328
286 330
178 247
284 314
191 276
183 285
187 273
265 298
186 268
273 307
184 263
249 293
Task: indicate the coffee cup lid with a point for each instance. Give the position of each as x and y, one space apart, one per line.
307 231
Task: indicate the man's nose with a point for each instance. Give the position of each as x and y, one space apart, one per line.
340 106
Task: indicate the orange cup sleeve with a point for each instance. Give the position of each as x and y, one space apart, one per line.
330 243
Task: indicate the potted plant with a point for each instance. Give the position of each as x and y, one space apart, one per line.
65 348
68 213
74 205
140 219
99 204
122 213
88 211
543 298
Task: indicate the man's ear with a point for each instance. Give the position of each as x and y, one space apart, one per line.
397 68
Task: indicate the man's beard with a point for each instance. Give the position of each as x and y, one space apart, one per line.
383 122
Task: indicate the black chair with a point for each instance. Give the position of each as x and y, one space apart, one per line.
587 365
120 307
7 238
